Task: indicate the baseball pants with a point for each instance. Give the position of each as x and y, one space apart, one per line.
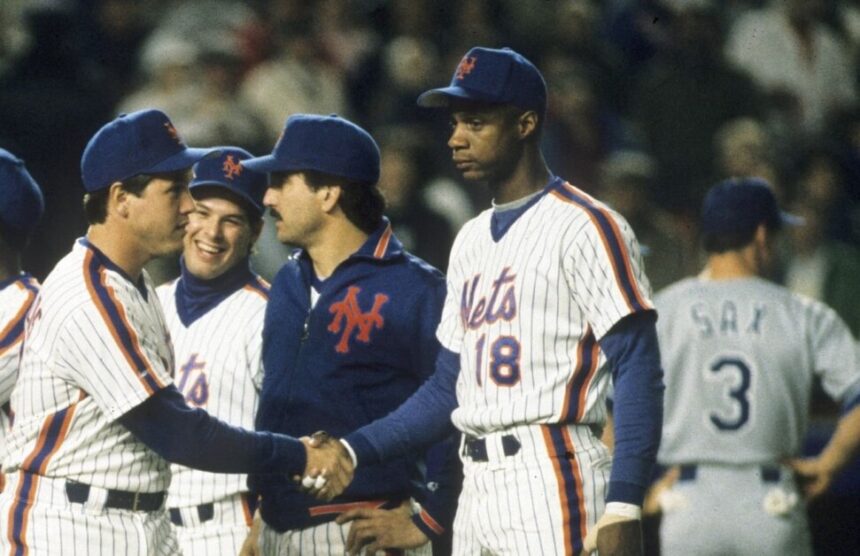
740 510
219 527
39 520
531 489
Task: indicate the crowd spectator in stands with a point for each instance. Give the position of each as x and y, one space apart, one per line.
684 95
668 242
800 63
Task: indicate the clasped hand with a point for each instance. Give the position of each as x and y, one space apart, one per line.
329 468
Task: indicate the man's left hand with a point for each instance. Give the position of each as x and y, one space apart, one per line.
375 530
614 535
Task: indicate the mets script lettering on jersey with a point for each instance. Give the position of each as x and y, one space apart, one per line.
193 383
349 310
487 312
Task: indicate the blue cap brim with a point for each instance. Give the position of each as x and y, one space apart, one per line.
185 158
266 163
441 98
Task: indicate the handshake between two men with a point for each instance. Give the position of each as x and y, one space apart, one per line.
329 468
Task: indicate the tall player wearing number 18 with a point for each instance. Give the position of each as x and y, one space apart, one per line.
543 290
740 354
214 313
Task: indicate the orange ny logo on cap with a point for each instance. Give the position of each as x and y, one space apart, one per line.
231 167
467 64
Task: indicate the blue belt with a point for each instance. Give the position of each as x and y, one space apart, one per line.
769 473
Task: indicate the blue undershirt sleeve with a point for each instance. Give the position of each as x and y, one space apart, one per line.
634 355
193 438
444 480
421 420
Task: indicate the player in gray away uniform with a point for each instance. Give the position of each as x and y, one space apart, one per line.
740 354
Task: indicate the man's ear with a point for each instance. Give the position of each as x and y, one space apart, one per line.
762 235
329 196
118 199
527 123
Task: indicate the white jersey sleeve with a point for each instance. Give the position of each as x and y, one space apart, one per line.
114 346
835 351
15 300
604 266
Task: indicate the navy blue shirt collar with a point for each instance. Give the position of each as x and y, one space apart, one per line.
195 297
502 219
381 245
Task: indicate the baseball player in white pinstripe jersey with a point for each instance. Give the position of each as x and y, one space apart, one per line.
97 416
21 208
214 313
740 355
547 303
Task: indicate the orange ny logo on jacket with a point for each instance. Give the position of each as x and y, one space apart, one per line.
348 316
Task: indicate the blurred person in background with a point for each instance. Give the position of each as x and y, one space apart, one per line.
821 268
296 77
744 148
800 63
581 130
668 245
685 93
421 229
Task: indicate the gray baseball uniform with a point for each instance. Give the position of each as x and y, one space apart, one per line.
740 356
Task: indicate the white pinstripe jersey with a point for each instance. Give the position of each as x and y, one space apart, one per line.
95 347
218 368
524 311
15 300
739 359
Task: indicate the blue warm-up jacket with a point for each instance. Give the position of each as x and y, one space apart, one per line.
356 355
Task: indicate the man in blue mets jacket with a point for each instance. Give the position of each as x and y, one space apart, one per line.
349 335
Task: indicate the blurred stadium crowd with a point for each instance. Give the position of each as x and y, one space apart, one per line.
651 101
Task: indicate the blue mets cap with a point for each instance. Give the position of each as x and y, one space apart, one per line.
143 142
739 205
499 76
21 200
227 171
328 144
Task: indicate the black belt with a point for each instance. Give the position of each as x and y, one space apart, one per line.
79 493
476 448
204 511
769 473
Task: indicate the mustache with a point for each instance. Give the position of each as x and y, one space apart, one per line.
275 214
